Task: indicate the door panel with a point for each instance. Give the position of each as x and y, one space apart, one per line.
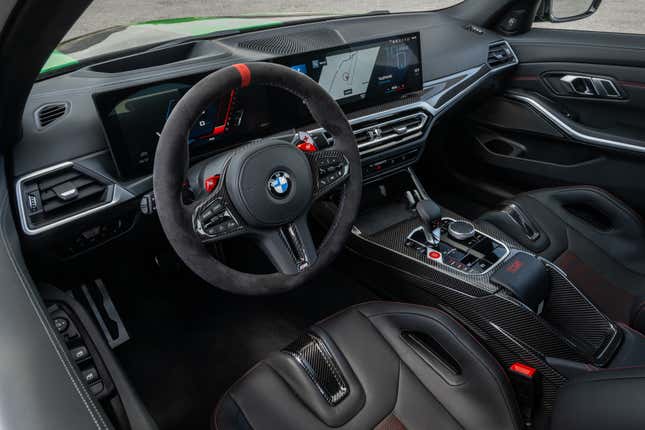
545 130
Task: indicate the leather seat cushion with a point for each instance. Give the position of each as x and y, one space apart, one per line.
406 367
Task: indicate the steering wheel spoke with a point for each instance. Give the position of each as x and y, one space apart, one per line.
214 218
330 169
290 248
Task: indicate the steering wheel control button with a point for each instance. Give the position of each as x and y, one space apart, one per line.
214 219
461 230
280 184
331 170
305 142
307 147
211 182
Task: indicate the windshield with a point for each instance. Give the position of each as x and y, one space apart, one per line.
109 26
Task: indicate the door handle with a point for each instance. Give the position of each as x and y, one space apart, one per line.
590 86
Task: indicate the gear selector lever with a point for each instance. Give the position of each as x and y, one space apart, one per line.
430 214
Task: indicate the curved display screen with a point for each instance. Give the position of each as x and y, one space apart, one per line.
357 75
372 70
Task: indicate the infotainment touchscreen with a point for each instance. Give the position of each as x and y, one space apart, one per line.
357 75
372 70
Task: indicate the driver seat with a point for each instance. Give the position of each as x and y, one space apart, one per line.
380 365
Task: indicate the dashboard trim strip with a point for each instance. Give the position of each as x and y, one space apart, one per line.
119 194
570 131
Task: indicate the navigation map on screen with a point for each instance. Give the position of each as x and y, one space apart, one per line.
372 70
349 73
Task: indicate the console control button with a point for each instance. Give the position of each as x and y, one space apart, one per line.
61 324
80 353
461 230
435 256
90 375
96 388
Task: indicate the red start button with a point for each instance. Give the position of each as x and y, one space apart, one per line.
435 255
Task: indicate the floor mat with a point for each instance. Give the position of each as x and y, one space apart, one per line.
190 341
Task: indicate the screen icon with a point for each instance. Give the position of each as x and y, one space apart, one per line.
302 68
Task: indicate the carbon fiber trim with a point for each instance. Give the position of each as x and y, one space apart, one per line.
510 330
311 353
394 239
591 330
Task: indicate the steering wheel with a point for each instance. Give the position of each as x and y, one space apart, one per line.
265 190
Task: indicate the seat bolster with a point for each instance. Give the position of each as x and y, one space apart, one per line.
228 415
478 394
606 399
406 365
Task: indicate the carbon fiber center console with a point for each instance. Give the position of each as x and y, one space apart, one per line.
457 274
474 253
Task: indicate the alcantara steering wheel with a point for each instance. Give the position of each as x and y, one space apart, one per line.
266 188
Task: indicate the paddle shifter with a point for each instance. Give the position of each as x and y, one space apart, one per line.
430 214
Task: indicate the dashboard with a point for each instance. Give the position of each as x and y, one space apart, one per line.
357 76
394 75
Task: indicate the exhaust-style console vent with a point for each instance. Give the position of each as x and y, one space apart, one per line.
47 114
389 132
500 54
61 193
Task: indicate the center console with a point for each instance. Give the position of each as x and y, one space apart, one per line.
522 307
459 245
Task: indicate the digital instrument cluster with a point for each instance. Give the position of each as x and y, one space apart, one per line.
356 75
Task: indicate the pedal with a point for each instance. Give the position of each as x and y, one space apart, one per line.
106 314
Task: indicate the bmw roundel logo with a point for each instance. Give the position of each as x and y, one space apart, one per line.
279 184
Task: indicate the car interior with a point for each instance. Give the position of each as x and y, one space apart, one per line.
384 221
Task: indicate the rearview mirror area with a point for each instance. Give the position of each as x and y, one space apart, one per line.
566 10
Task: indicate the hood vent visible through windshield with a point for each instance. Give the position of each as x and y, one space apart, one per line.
500 54
61 193
47 114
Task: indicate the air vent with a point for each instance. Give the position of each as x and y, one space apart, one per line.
500 54
61 193
49 113
294 43
389 132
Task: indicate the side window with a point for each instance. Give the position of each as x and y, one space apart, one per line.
614 16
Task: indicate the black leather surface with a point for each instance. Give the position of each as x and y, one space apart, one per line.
602 400
526 277
595 238
386 374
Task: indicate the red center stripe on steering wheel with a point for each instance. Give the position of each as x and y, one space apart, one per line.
245 74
